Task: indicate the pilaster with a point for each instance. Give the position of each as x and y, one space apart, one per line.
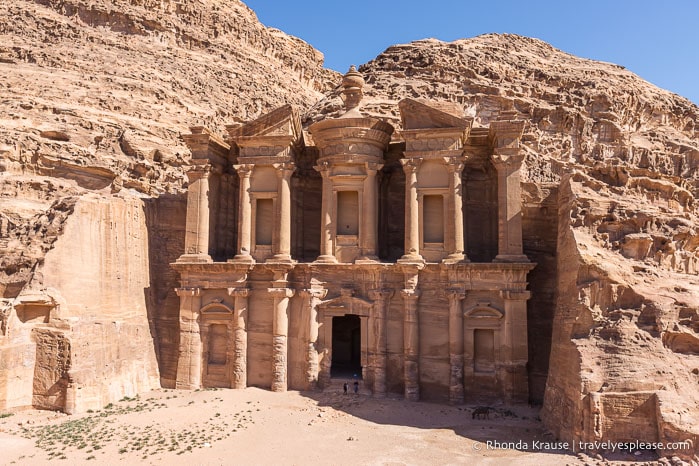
507 158
240 363
280 333
368 239
455 232
411 342
412 220
283 236
311 298
456 346
379 351
515 347
245 222
189 362
326 223
198 225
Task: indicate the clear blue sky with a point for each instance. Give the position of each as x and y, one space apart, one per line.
658 40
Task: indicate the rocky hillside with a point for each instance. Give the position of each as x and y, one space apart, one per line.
96 93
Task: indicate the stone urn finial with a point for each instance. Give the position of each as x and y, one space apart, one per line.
352 84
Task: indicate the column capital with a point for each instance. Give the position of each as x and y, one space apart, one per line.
188 291
410 165
281 292
410 294
454 164
381 294
323 168
239 292
372 166
284 169
455 294
244 170
198 172
507 158
319 293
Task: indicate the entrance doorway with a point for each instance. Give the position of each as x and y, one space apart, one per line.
346 347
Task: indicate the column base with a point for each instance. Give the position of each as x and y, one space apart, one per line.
368 259
280 259
198 258
242 259
326 259
278 387
455 258
411 259
187 386
511 258
412 393
456 395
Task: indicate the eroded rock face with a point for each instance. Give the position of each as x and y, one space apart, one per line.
625 339
95 96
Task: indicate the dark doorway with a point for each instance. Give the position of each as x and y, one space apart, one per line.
346 347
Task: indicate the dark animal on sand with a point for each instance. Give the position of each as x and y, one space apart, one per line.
481 412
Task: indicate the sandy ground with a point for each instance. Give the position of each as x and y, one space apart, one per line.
254 426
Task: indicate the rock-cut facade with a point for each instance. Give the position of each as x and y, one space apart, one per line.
350 250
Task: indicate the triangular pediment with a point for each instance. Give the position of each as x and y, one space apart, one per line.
348 305
283 121
418 114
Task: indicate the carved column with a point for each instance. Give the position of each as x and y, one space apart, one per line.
280 332
283 248
455 237
411 345
509 206
326 224
369 233
245 229
240 362
515 349
379 359
312 297
456 346
412 220
189 362
198 215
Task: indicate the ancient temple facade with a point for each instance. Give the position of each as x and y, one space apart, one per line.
351 248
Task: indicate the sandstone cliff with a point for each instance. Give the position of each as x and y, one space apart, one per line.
94 97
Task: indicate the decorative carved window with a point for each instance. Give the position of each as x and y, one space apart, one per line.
484 350
433 218
264 219
218 343
347 213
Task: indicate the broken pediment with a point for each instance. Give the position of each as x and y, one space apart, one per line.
347 304
483 311
283 121
417 114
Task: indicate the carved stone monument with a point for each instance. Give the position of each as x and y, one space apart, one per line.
430 323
